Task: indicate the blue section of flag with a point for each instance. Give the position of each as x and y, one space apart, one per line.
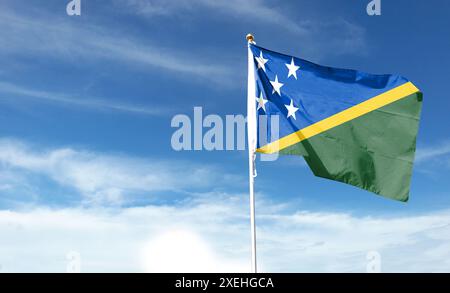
307 92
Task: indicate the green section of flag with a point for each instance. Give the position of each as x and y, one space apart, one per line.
374 152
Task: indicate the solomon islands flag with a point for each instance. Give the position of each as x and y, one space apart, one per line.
350 126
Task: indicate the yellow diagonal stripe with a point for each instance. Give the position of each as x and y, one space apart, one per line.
356 111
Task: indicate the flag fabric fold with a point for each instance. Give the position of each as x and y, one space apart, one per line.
350 126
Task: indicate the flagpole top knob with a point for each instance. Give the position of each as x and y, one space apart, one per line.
250 38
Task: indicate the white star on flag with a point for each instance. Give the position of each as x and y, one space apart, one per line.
292 69
291 110
261 102
276 86
261 61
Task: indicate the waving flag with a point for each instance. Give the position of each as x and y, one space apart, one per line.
350 126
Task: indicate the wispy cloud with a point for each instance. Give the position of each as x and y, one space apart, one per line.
56 37
344 36
211 234
109 178
258 10
207 222
433 152
36 34
10 92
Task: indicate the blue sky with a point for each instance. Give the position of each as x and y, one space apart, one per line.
86 163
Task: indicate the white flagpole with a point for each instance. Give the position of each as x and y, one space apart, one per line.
252 134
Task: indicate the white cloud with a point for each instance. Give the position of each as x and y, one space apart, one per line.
211 234
258 10
86 102
37 34
343 36
54 37
206 231
108 178
432 152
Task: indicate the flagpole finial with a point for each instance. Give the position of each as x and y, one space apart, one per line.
250 38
